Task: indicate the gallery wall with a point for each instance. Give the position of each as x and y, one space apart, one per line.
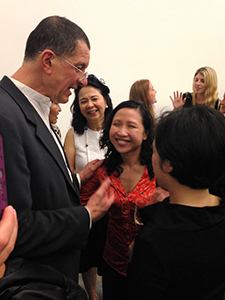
165 41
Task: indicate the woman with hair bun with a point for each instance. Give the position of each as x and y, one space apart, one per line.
90 108
92 104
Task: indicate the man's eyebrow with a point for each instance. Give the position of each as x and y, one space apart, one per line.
81 64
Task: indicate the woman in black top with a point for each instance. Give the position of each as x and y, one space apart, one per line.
204 90
180 251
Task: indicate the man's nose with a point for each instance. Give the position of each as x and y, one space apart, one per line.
82 82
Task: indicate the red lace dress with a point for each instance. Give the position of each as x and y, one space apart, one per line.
121 228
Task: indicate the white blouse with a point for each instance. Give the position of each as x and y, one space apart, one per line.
87 148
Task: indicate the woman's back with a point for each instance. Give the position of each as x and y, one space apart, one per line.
180 252
185 248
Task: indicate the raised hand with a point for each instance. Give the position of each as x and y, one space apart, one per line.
177 100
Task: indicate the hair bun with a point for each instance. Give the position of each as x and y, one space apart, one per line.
98 83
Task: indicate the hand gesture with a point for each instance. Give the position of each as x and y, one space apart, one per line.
100 201
177 100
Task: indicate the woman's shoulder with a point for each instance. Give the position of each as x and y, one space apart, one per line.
69 139
69 132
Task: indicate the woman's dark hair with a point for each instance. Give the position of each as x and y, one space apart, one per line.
79 122
113 157
193 140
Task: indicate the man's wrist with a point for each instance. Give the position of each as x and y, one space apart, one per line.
89 216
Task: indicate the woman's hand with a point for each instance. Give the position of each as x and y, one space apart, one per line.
177 100
159 195
89 169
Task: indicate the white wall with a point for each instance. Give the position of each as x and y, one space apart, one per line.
165 41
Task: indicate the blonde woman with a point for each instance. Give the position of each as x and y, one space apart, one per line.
204 91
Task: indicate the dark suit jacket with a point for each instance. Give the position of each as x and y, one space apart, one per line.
26 280
53 227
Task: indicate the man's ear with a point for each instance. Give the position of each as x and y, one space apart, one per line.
166 166
46 60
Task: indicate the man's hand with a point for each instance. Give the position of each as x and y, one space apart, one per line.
88 171
100 201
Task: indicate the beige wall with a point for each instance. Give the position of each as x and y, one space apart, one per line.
163 40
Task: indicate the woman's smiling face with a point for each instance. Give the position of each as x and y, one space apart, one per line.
127 130
92 103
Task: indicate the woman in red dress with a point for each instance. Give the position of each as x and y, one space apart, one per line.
128 137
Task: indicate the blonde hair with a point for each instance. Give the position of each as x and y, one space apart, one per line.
211 92
139 91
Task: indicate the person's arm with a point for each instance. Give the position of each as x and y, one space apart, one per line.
8 234
69 147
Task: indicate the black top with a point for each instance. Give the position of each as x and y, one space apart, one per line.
189 102
179 253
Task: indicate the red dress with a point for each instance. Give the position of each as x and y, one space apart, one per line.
121 228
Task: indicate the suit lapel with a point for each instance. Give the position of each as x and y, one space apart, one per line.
67 163
42 132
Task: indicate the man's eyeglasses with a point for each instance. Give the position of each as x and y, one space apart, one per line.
83 74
